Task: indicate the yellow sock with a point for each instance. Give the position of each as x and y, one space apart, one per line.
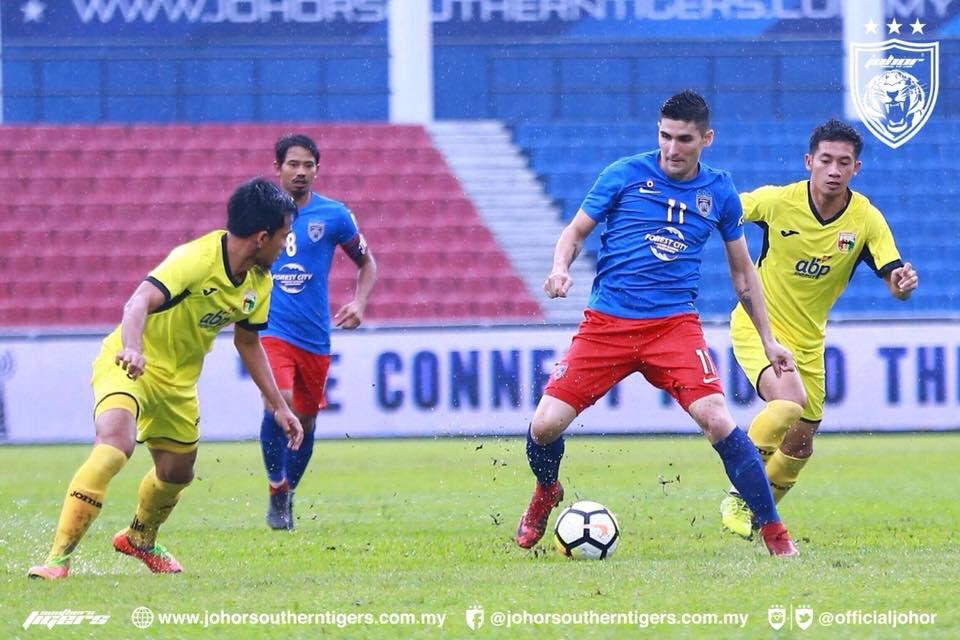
782 471
157 500
84 499
771 424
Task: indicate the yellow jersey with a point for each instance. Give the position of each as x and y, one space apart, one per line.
806 261
202 297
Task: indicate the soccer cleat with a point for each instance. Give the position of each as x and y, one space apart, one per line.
533 522
56 569
778 541
279 508
157 559
736 517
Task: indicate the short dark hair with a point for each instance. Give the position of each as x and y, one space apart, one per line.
687 106
834 130
295 140
258 205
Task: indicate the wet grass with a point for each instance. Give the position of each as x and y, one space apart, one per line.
425 526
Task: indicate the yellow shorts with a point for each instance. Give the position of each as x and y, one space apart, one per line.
749 353
168 417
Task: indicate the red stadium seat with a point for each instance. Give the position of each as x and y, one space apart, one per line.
78 243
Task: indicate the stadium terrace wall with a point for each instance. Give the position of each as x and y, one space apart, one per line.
224 60
426 382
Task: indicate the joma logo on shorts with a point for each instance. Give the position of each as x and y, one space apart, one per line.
86 498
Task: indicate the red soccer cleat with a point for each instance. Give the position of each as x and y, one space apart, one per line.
533 522
156 557
778 541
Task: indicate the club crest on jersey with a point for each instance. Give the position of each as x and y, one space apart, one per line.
704 202
315 231
249 301
894 85
846 241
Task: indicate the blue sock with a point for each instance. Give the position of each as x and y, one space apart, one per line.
297 460
745 470
545 459
273 444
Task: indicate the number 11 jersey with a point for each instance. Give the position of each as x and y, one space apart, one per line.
648 265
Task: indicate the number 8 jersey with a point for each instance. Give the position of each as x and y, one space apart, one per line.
648 265
300 306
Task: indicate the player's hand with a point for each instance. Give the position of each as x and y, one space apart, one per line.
290 425
557 284
905 278
131 361
780 358
349 316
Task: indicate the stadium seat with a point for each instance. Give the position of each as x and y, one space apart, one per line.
124 195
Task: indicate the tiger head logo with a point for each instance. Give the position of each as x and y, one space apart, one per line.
894 85
893 99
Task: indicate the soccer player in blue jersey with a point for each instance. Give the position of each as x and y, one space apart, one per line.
659 208
297 340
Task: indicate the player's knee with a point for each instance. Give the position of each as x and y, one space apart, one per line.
790 409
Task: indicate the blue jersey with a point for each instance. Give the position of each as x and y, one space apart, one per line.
648 265
299 304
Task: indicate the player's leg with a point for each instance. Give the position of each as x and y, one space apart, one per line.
796 448
744 468
273 442
544 452
785 399
786 463
309 396
159 493
115 422
599 357
680 364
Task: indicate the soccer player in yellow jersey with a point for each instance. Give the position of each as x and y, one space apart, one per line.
816 232
144 380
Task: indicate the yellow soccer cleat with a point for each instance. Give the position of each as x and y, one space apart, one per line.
736 516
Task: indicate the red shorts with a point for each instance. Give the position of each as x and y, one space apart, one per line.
303 372
670 353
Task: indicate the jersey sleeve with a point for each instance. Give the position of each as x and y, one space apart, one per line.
605 192
757 204
347 226
880 250
731 213
184 267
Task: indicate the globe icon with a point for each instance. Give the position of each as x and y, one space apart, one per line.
142 617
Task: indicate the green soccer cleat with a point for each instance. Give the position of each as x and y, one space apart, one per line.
736 516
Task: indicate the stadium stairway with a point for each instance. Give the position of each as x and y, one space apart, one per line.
511 201
86 211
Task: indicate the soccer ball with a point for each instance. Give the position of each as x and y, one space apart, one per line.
586 531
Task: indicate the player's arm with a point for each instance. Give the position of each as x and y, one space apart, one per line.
746 283
255 360
147 298
350 315
569 246
902 281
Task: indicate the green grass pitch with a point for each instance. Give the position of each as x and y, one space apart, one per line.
425 526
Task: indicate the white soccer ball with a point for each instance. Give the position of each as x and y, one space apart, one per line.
586 531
